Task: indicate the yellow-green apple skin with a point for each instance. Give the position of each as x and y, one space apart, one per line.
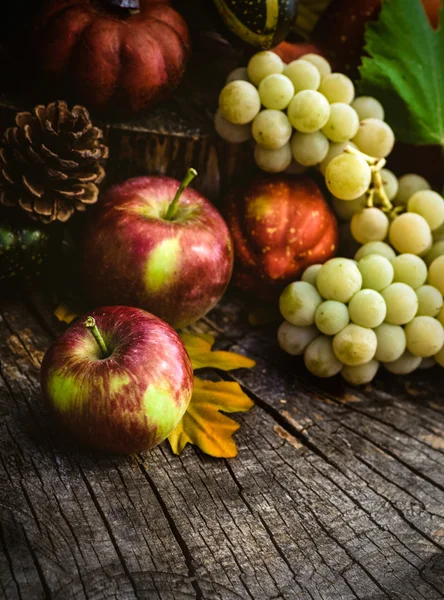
126 402
175 267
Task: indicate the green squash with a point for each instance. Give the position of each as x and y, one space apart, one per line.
259 23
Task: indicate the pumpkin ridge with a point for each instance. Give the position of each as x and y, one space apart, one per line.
186 52
57 14
66 15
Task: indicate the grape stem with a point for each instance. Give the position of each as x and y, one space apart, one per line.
376 193
379 191
371 160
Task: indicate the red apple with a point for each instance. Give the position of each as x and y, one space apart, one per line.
119 381
158 246
280 225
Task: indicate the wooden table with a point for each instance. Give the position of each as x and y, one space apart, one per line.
337 493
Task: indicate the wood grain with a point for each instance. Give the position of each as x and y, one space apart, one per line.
337 493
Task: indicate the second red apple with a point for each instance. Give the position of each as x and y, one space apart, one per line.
155 245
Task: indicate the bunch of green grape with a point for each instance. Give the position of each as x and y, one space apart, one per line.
302 115
349 316
415 225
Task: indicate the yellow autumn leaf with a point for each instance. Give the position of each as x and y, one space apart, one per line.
204 426
199 347
64 313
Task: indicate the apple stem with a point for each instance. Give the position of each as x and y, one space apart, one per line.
191 174
90 323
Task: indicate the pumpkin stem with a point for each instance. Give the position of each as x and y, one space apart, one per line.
172 208
125 3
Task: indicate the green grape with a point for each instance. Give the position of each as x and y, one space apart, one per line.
293 339
310 274
427 363
271 129
425 336
334 151
405 364
377 272
303 75
430 301
360 374
401 302
342 124
309 149
410 233
239 102
239 74
367 308
391 342
348 176
390 183
298 303
234 134
339 279
408 185
439 357
355 345
368 108
337 87
440 316
436 250
375 138
263 64
308 111
345 209
320 359
273 161
429 205
322 64
409 269
369 225
276 91
380 248
331 317
436 274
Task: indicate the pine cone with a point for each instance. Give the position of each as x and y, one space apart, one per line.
51 162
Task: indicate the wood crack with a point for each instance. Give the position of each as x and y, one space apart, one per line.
45 586
181 542
110 532
264 524
9 561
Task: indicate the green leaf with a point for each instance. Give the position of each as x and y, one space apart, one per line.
405 70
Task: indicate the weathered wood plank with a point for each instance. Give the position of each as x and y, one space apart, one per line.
63 501
335 494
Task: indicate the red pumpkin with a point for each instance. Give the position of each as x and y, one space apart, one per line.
280 225
109 58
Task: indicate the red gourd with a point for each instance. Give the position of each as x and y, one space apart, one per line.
279 225
109 58
339 33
